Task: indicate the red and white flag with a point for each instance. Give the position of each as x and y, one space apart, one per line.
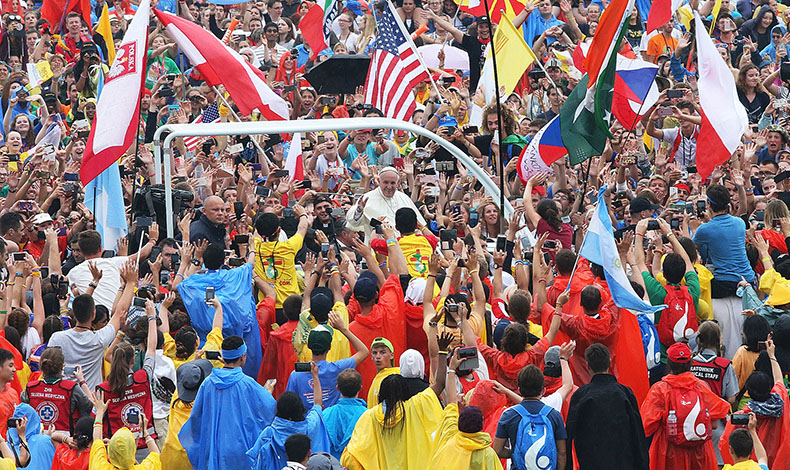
724 118
661 12
118 110
294 163
395 69
218 63
210 115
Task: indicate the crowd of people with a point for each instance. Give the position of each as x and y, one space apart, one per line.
382 312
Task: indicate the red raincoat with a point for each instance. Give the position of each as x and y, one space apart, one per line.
504 368
774 433
387 319
415 335
654 410
279 358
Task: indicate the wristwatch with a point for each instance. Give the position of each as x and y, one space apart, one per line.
196 262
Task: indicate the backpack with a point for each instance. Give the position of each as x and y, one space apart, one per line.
688 422
650 342
535 447
679 320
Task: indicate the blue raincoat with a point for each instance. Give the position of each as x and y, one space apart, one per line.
233 288
41 449
770 49
229 411
269 450
535 25
340 420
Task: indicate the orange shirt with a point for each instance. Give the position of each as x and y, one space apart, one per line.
9 398
659 44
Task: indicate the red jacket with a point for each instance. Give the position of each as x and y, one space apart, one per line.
774 433
504 368
279 358
654 410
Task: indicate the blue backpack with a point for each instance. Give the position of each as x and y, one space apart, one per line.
535 447
650 340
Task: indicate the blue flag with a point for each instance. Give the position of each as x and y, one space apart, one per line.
600 248
104 197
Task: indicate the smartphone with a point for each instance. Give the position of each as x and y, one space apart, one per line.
242 239
44 272
238 208
71 176
155 251
288 213
376 225
255 166
321 139
211 355
327 100
19 256
338 212
652 224
469 130
11 423
474 219
397 162
739 419
782 176
759 215
209 293
235 262
281 173
138 302
175 260
700 207
234 149
301 367
229 253
762 345
445 167
664 112
263 191
144 221
501 243
550 244
307 184
673 191
133 418
69 371
447 238
673 94
325 250
691 169
674 224
13 157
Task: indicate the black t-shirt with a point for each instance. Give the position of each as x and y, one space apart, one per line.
474 49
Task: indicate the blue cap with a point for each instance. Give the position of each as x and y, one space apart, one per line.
448 121
366 287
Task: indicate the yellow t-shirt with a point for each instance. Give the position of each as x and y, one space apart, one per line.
373 392
340 349
274 262
7 464
417 250
747 465
213 343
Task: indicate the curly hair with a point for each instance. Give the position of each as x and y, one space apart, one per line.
508 118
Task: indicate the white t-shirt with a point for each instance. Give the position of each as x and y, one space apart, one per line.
29 341
164 367
109 284
554 400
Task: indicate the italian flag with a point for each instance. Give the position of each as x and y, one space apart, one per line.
316 26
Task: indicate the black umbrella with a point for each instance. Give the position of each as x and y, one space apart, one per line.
339 74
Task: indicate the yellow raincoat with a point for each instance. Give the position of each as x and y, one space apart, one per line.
456 449
406 445
174 457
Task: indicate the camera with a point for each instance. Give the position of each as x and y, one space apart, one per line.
149 201
452 308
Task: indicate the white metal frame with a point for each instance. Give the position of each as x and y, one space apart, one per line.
307 125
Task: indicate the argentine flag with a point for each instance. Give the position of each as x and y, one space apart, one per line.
104 197
600 248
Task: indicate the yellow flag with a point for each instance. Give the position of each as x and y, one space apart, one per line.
513 55
103 28
716 8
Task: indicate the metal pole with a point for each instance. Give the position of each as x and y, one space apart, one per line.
501 127
236 117
310 125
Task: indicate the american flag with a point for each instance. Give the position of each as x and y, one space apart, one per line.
211 114
394 70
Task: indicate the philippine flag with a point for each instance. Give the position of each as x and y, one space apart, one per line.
635 90
543 150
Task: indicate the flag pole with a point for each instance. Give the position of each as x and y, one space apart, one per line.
578 254
407 35
236 117
501 159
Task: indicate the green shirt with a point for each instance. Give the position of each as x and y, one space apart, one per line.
657 293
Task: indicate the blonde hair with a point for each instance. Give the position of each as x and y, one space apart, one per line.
368 31
775 210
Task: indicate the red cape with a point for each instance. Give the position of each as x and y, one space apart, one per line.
279 358
654 410
774 433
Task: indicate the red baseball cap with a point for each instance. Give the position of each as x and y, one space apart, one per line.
683 186
679 353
